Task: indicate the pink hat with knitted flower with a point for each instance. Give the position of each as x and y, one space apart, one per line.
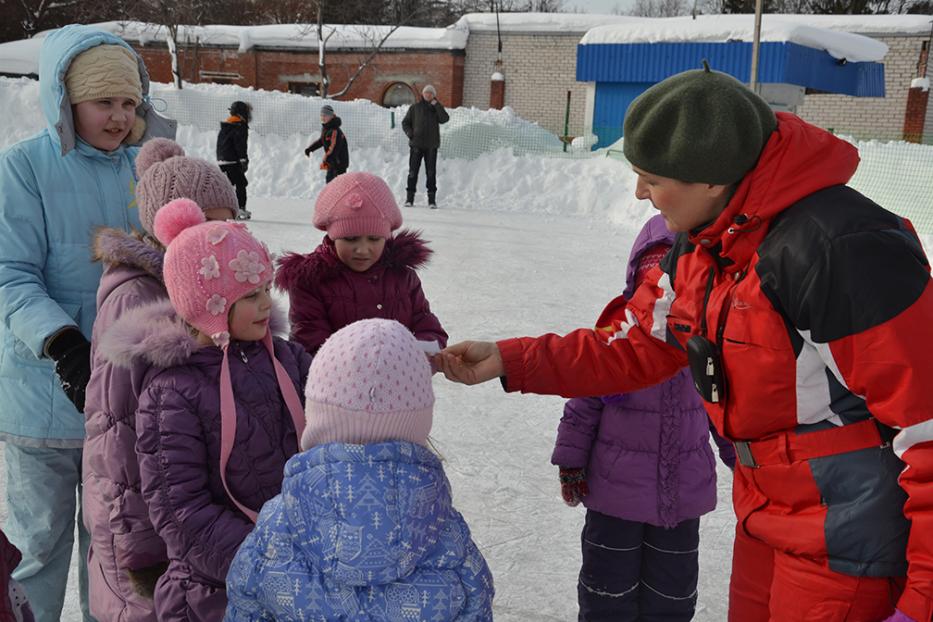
355 204
369 382
208 266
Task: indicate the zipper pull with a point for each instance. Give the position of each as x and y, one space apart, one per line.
243 356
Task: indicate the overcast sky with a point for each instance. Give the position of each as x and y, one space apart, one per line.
598 6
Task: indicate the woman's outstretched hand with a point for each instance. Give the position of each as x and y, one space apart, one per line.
471 362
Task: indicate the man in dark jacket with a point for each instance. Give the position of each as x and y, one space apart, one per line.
422 126
336 154
231 150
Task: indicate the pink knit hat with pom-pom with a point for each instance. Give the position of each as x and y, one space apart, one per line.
166 173
369 382
356 204
208 267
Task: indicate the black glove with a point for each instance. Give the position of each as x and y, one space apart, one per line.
244 164
307 152
72 355
144 579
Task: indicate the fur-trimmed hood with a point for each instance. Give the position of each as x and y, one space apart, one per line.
406 249
155 335
115 247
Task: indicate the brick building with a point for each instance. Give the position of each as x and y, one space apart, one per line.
538 63
882 118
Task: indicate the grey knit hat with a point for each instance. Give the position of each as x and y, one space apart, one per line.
166 173
328 110
697 126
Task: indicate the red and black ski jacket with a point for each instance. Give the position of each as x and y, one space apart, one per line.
334 142
820 304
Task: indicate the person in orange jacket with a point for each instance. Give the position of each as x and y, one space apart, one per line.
805 312
334 141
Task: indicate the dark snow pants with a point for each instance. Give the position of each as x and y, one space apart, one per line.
415 155
238 178
638 572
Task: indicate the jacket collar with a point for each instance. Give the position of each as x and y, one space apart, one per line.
405 250
798 160
154 335
115 247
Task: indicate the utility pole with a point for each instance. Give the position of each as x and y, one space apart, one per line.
756 45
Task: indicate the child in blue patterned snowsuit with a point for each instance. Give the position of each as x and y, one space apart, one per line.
364 528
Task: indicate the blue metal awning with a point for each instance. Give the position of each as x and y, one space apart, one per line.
779 62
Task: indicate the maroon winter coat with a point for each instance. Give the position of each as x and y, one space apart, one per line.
178 446
325 295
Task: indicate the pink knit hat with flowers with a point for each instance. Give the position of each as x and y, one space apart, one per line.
166 173
208 266
369 382
356 204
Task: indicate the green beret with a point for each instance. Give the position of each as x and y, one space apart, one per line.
697 126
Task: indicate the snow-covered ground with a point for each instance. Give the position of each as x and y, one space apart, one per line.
501 274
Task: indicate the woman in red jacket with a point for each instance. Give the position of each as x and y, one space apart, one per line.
805 312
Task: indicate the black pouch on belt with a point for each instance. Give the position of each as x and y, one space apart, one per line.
706 368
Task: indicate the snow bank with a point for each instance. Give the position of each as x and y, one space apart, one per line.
493 179
503 174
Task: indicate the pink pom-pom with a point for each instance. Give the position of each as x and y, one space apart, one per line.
176 216
156 150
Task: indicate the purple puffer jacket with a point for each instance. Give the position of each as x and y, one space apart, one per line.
115 514
325 295
178 445
647 454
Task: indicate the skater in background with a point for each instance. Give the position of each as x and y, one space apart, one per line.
361 269
232 153
365 510
334 142
219 413
422 126
642 466
805 312
57 188
126 554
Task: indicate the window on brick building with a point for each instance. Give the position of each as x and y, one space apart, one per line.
219 77
308 89
398 94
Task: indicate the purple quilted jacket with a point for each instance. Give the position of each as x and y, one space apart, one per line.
178 445
325 295
122 537
647 454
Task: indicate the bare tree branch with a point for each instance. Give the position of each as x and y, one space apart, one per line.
365 63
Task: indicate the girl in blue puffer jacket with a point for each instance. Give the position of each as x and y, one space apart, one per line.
364 528
74 176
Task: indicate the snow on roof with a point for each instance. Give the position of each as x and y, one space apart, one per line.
299 35
541 22
21 57
836 35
